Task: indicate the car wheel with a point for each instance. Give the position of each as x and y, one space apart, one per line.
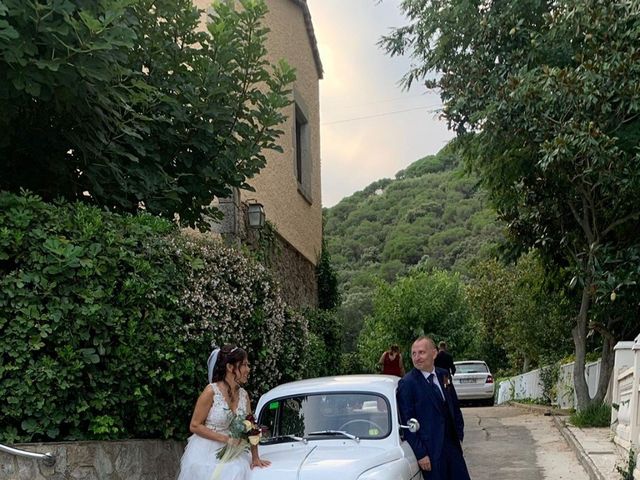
488 402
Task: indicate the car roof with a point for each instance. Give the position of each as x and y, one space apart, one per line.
385 384
469 361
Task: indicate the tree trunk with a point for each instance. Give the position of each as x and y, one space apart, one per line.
525 365
606 368
579 333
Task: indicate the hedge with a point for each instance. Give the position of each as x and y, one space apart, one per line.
106 322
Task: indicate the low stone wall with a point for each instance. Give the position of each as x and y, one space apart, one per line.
296 274
122 460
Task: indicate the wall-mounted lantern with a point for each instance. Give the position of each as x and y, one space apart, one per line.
255 213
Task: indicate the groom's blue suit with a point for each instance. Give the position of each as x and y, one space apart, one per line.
441 424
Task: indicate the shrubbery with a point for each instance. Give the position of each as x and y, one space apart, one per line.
106 322
233 299
325 346
596 415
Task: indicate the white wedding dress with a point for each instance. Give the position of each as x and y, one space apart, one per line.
199 460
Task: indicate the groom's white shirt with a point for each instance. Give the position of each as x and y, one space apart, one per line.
435 380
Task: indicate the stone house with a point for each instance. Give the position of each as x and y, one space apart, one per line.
289 186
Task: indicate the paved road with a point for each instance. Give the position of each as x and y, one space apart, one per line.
506 443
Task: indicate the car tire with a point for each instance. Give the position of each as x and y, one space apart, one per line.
488 402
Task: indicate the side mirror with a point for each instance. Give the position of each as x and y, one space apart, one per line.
412 425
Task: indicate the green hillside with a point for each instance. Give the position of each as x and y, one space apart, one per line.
431 215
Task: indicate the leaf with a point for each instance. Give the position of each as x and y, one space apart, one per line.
7 32
92 23
90 355
573 282
29 425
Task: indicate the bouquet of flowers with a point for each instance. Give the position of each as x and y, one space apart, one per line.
246 431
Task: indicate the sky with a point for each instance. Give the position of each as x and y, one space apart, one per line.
360 80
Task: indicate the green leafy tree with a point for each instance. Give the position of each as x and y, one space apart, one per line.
519 313
327 278
128 104
431 303
544 98
356 305
323 356
429 216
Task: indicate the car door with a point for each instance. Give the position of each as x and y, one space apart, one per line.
408 455
410 458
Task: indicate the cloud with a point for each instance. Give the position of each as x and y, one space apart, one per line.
354 157
370 128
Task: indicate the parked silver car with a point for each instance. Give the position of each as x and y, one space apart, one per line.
473 381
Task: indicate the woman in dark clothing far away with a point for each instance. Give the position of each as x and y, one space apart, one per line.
391 362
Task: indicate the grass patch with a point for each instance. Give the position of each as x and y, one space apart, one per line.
532 401
598 415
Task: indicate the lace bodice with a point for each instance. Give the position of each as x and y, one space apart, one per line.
220 414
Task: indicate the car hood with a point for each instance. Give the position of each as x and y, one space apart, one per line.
321 460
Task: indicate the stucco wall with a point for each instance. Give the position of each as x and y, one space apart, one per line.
296 219
299 222
125 460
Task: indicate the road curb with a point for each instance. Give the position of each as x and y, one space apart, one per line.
583 457
543 409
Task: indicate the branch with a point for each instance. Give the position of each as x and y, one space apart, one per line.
620 221
604 331
574 254
576 215
586 207
623 122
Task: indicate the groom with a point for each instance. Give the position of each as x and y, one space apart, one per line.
426 394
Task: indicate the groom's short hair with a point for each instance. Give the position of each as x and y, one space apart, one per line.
428 339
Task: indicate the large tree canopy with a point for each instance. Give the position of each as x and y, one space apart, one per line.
129 104
431 303
545 96
521 319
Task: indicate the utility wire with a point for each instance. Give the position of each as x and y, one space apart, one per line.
366 104
379 115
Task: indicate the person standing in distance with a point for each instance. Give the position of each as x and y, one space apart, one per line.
426 393
391 362
444 359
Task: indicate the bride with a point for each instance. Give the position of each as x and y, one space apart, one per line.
218 402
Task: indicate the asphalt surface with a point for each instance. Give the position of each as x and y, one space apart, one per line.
506 443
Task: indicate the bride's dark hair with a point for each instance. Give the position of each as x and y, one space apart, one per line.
232 355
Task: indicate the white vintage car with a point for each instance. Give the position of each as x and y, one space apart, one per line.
336 428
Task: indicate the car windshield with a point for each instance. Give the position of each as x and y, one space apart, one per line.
321 416
471 368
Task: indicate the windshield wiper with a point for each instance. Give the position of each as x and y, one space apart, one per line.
334 433
279 438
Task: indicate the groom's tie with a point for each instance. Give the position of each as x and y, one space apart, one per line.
434 386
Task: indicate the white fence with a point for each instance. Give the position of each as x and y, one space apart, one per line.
529 385
625 416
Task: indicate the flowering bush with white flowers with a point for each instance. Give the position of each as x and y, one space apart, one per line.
230 298
106 322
